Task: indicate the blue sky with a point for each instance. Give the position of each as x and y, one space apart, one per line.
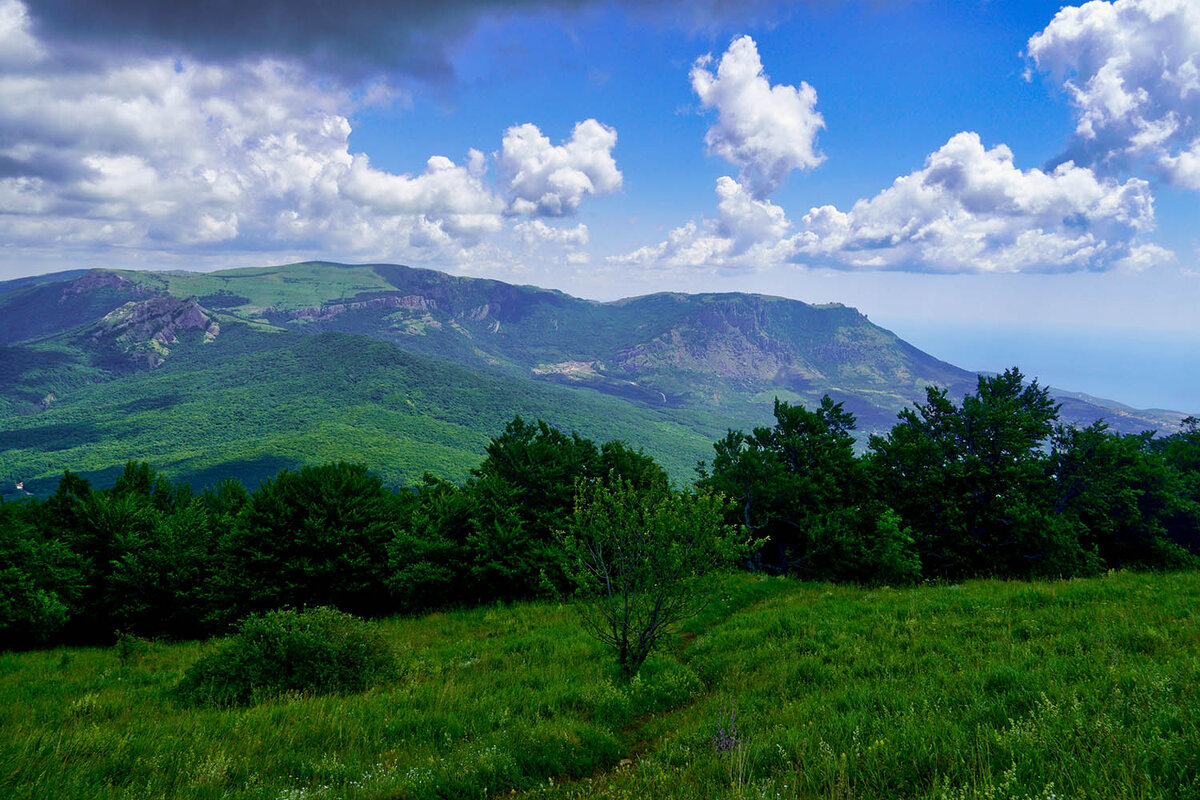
1000 182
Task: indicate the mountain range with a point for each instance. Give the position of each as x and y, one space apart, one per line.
243 372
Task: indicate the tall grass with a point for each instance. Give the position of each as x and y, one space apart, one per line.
1083 688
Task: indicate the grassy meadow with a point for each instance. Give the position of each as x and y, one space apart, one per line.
1085 688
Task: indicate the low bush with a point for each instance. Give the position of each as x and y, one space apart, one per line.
315 651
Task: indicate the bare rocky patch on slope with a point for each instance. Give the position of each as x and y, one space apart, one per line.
145 332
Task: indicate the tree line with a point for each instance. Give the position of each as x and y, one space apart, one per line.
989 486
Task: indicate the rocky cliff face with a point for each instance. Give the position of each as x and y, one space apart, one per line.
725 339
331 310
146 331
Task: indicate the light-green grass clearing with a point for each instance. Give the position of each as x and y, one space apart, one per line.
1074 689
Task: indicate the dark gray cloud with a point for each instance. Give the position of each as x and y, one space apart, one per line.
48 168
348 38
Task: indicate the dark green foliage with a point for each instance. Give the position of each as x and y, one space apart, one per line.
41 580
988 486
800 486
867 544
464 545
312 652
428 561
525 490
139 480
144 553
635 466
1125 500
637 557
495 537
146 548
993 486
163 578
316 536
224 502
117 527
966 479
1182 454
510 557
543 464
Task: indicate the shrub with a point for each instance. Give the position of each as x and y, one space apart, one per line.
316 651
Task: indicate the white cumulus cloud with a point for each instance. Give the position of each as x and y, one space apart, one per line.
1132 71
534 232
151 152
164 156
972 210
765 130
544 179
746 233
452 196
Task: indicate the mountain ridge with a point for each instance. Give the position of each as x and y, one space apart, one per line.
689 364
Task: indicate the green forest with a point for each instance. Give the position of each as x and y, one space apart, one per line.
982 604
991 486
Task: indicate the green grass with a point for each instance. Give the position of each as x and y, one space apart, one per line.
301 285
1075 689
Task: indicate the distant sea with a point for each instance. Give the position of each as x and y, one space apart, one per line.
1137 368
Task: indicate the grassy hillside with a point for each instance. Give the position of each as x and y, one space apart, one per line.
252 402
1077 689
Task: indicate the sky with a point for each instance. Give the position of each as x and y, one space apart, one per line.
1001 183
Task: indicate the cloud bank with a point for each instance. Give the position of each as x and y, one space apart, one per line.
156 155
969 210
1132 71
972 210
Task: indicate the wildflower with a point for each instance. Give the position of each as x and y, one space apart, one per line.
726 738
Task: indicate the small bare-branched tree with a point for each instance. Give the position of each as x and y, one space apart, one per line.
637 557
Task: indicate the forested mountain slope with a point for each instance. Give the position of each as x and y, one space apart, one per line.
245 371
